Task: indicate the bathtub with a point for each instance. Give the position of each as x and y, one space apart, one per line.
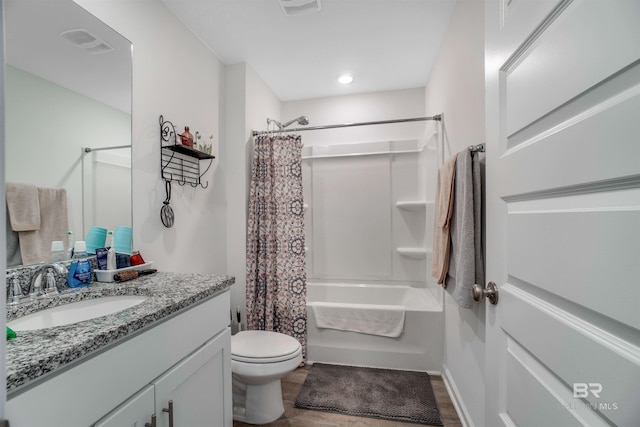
418 348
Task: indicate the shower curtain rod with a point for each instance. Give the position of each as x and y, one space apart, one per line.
437 117
115 147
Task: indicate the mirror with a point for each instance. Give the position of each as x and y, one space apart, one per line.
67 88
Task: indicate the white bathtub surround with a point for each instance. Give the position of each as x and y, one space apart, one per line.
355 234
373 319
418 347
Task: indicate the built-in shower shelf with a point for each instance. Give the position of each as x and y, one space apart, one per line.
417 253
414 205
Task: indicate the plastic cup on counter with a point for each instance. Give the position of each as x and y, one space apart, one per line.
122 240
96 238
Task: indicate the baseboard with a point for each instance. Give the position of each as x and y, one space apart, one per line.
458 404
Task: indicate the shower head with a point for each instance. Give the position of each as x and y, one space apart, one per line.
302 120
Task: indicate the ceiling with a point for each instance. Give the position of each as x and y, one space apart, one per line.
384 44
33 44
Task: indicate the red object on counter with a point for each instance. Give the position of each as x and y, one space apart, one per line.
136 259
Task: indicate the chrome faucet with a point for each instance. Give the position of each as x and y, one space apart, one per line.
51 283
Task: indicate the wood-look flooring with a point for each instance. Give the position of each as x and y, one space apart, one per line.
294 417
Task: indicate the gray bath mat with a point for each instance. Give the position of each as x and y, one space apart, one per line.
368 392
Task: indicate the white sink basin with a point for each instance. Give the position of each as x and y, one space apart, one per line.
75 312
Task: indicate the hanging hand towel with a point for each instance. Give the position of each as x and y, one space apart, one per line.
23 206
35 246
13 243
466 266
373 319
443 210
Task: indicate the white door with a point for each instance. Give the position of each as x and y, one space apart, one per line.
563 212
197 391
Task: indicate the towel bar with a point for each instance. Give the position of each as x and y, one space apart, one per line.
477 148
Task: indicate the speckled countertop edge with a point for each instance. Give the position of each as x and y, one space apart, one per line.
34 354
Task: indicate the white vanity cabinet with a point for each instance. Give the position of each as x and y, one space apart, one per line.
185 358
136 411
192 393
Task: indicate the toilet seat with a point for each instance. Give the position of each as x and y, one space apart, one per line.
263 347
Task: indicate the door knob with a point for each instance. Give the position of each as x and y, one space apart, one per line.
491 292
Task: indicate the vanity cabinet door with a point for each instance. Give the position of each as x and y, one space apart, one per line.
135 412
199 387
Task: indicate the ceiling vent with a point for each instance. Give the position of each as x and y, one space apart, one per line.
87 41
300 7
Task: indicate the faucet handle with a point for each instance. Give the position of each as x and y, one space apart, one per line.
51 285
15 291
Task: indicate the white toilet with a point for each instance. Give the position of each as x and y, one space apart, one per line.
259 359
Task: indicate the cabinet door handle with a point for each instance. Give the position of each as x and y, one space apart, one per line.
152 423
170 411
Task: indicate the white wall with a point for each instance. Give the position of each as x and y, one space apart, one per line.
456 87
389 105
176 75
249 102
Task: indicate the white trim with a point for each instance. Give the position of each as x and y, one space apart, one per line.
454 394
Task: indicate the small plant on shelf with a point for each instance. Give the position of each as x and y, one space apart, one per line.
205 148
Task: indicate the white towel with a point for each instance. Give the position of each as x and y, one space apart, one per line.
373 319
23 206
35 246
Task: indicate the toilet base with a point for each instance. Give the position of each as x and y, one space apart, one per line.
257 403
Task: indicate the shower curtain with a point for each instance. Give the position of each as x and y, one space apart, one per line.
276 270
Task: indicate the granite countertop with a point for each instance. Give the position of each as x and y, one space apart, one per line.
35 354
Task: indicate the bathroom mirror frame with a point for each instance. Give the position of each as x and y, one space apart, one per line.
48 75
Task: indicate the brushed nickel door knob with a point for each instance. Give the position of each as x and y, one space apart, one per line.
491 292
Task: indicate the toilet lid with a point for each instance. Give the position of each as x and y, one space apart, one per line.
263 347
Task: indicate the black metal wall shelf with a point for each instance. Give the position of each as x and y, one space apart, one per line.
179 162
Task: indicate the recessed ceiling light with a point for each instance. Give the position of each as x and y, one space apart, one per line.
345 79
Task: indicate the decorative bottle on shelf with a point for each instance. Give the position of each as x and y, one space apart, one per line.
186 137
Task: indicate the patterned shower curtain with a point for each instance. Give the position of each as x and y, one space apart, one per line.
276 270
